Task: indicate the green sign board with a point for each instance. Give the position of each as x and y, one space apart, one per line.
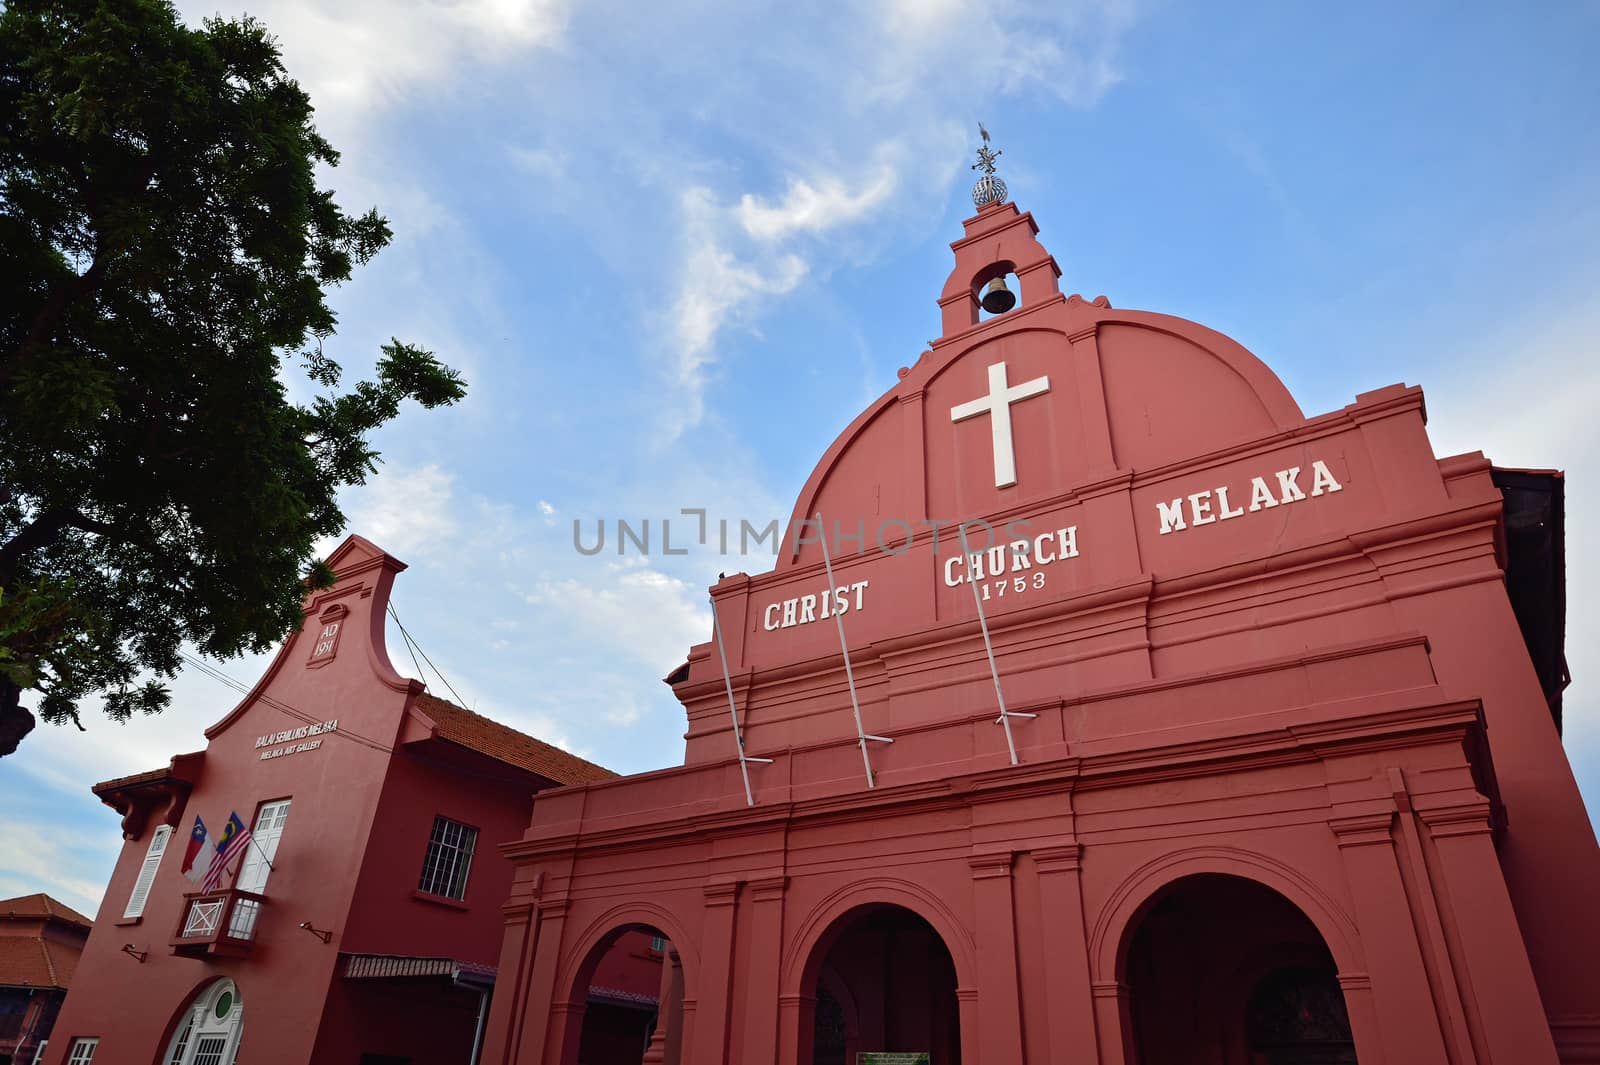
892 1057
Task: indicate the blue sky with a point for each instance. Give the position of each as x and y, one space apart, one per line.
676 248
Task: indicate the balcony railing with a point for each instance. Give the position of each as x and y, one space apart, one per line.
218 922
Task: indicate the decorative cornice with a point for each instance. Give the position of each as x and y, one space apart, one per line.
554 909
721 893
990 865
768 889
1364 829
1067 858
1355 981
1462 819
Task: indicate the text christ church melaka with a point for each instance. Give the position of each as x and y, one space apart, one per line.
1214 736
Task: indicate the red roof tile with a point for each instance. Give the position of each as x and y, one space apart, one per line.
478 733
41 905
25 960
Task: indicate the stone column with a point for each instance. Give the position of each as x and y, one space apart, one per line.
999 1007
764 956
1497 977
967 1004
708 1035
1113 1022
1066 955
667 1039
1357 988
508 1008
545 1018
1408 1020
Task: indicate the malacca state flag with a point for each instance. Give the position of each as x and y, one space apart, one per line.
197 843
235 838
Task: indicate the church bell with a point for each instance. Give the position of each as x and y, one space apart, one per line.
997 299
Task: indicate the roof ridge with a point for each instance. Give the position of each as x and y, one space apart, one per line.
457 725
48 907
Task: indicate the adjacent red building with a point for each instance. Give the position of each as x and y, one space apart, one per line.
362 923
40 940
1277 775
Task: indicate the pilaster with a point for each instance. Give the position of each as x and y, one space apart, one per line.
761 973
1000 1007
1407 1017
1496 974
1066 955
707 1028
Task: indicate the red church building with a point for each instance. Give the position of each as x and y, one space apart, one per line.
1220 734
361 923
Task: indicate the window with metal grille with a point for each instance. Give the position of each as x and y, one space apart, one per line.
176 1057
209 1049
82 1051
444 871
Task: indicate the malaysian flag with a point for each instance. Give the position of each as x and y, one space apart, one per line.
235 838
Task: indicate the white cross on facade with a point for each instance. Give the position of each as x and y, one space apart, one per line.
997 404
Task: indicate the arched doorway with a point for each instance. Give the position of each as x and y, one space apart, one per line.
880 980
210 1028
1224 970
627 1003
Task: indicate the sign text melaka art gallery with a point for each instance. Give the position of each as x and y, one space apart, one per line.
273 739
1019 565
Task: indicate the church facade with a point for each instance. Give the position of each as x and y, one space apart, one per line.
1103 708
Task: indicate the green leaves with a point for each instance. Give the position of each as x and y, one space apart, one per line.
169 250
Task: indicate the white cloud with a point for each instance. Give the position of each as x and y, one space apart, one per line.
358 56
1066 49
636 613
58 865
405 511
737 258
1541 416
812 208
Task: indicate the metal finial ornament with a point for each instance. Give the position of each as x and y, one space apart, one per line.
989 189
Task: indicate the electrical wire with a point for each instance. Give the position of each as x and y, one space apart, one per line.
279 705
409 641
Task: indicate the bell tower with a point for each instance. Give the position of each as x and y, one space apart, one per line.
999 242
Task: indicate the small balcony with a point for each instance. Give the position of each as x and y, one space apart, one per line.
218 923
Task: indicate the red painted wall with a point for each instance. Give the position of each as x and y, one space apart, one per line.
349 861
1326 695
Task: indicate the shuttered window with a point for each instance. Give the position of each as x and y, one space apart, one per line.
147 872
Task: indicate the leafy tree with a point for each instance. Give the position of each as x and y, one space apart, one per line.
167 251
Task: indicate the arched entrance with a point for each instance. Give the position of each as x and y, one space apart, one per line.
1224 970
880 979
210 1028
627 1002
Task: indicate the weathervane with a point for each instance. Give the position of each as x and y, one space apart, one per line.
989 189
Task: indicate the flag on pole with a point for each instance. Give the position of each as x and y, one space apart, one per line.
235 838
197 842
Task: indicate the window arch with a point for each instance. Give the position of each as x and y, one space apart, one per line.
208 1033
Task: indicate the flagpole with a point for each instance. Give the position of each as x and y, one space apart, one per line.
261 852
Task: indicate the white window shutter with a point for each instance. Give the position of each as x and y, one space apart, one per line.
147 871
